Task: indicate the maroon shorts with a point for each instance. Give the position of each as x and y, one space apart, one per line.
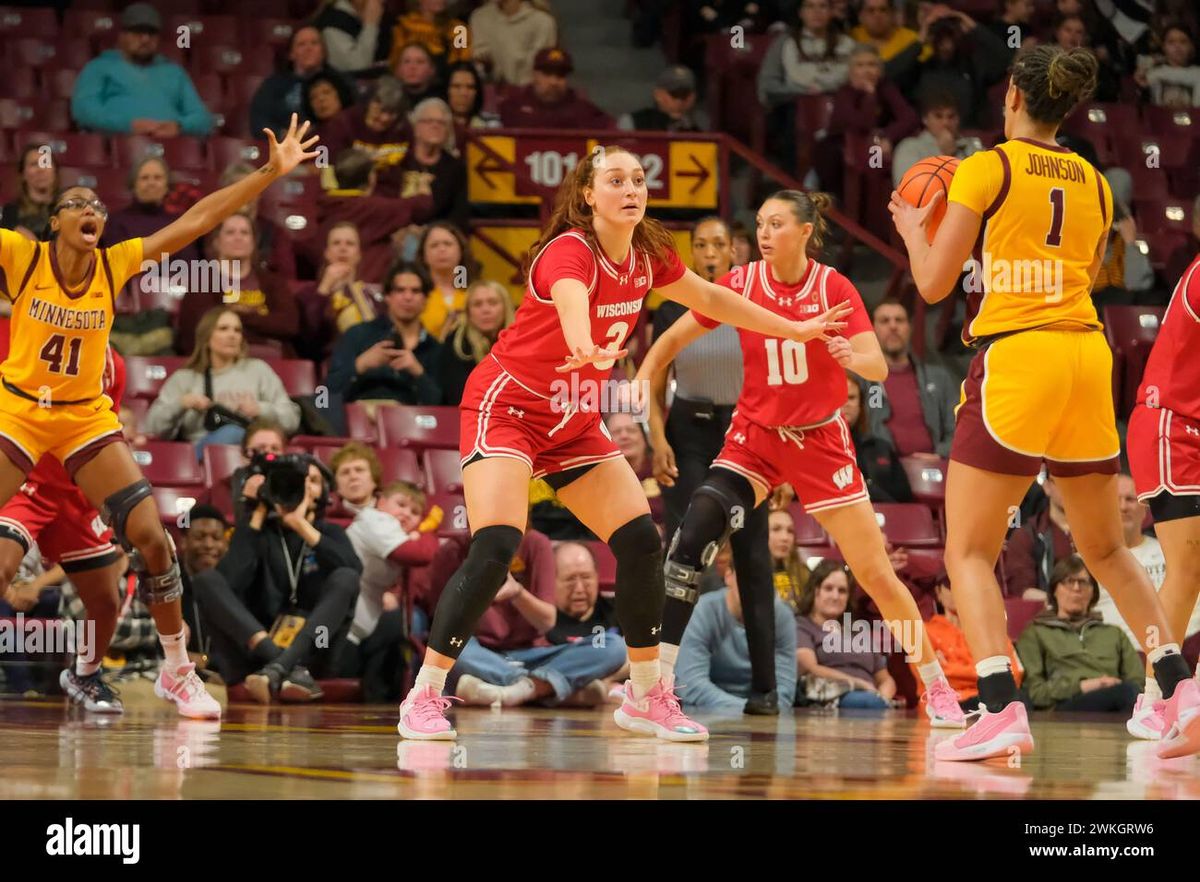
818 462
500 417
1164 452
54 514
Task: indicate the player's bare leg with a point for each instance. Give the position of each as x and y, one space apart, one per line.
99 590
113 483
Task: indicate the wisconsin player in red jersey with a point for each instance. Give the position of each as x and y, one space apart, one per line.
591 270
50 511
63 295
1164 457
787 427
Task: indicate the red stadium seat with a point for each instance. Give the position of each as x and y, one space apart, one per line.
266 31
1156 216
175 502
15 114
22 21
72 55
927 478
808 531
1149 183
1020 613
211 89
170 463
813 113
298 375
137 407
144 375
32 52
606 566
454 514
1175 153
228 60
83 149
22 84
1131 332
89 24
179 153
219 30
908 524
61 82
1100 124
1172 120
401 464
444 470
419 427
177 7
220 461
240 89
227 151
360 425
732 90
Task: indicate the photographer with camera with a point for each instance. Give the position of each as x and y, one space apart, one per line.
219 390
287 586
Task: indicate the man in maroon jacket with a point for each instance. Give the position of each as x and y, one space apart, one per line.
378 218
548 102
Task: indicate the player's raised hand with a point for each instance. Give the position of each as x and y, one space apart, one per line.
292 150
909 219
829 322
841 350
581 358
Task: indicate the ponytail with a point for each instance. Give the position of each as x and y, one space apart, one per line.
809 207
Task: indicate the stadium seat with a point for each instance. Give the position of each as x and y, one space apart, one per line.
89 24
211 89
1020 613
419 427
401 464
1131 331
606 566
298 375
1172 120
927 479
226 151
22 84
136 406
220 461
454 514
813 113
732 89
1149 183
170 463
360 425
84 149
174 502
808 531
908 524
144 374
228 60
217 30
1100 124
1157 216
275 32
240 89
444 471
179 153
24 21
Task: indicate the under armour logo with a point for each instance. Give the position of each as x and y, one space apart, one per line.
29 489
1191 430
624 280
785 301
843 476
456 641
656 629
519 414
739 438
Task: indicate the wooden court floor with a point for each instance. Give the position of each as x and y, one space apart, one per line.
48 751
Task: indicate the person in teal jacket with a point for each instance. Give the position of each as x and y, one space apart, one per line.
132 90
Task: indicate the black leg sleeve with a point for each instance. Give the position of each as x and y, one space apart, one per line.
756 588
638 550
472 588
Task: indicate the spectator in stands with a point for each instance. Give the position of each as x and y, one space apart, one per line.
877 457
712 16
745 247
428 24
1183 254
357 34
1172 78
1125 273
29 212
283 92
378 218
630 437
713 668
433 164
879 25
831 672
391 358
509 662
273 244
132 90
418 74
674 108
289 577
917 400
444 253
950 643
149 181
219 390
264 434
259 297
811 58
1014 25
940 136
964 60
582 612
867 107
506 36
488 311
324 99
379 126
204 540
1074 661
464 94
791 573
1071 32
388 538
1032 548
338 299
548 102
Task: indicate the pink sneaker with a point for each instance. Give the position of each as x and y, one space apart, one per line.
941 704
423 716
1147 720
1181 722
658 714
992 735
187 691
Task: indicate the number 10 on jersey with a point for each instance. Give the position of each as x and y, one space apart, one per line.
791 356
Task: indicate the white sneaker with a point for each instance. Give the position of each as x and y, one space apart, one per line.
1147 720
479 693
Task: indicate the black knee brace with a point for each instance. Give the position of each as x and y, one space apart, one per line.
472 588
719 507
638 550
162 588
756 588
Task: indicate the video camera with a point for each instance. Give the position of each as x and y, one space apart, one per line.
284 476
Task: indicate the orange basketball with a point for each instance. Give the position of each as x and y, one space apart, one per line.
922 181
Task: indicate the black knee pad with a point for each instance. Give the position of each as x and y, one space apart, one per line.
719 507
638 550
472 588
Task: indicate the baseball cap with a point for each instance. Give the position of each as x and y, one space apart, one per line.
141 17
553 61
677 78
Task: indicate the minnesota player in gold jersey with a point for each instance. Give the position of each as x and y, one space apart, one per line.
63 294
1036 217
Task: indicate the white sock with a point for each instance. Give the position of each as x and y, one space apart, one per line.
517 693
431 675
996 664
1153 691
85 669
930 673
175 649
1161 652
645 676
667 653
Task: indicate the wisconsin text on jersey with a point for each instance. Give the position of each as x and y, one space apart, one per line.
616 310
67 319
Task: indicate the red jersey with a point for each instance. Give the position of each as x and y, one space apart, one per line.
788 383
1172 376
533 345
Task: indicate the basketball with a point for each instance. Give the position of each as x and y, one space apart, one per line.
922 181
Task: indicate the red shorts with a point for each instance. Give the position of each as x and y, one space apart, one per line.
500 417
818 462
1164 452
51 511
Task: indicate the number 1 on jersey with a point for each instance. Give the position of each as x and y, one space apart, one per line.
1058 198
52 354
794 359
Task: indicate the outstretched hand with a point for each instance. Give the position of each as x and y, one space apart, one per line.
285 155
597 355
829 322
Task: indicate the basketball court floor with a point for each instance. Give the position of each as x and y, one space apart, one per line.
48 751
